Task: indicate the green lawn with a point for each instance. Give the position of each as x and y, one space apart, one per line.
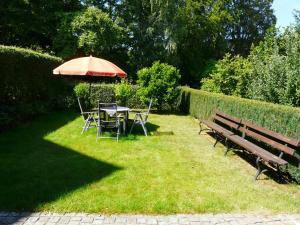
47 165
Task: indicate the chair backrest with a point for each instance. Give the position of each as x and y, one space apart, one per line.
84 115
81 110
148 111
107 114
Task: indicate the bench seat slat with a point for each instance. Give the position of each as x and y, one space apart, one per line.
256 150
216 127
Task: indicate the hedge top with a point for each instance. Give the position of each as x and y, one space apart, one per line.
243 100
28 53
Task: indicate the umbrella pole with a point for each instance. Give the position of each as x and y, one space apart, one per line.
90 89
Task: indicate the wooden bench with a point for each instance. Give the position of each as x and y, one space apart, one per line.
247 136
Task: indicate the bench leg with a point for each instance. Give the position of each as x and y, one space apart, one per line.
259 169
201 128
217 139
227 147
200 125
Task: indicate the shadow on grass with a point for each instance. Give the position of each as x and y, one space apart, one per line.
138 130
35 171
285 178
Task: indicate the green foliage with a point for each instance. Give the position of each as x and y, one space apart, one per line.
133 34
281 119
276 73
32 24
123 93
159 83
230 76
28 87
124 90
270 73
92 31
248 23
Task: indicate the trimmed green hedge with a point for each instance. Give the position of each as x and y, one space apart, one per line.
279 118
27 86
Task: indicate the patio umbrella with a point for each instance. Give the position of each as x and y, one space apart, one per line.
89 66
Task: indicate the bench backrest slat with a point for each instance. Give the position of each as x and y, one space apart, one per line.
227 122
272 134
269 141
228 117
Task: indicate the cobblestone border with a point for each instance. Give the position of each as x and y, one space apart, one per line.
27 218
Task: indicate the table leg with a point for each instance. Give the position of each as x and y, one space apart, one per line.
125 122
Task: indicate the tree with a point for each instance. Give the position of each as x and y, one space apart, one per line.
91 31
249 22
32 23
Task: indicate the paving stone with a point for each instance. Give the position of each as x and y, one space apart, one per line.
121 220
74 223
109 220
87 219
2 214
64 220
131 220
141 220
76 218
151 221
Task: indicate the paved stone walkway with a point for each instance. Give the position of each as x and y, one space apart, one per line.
184 219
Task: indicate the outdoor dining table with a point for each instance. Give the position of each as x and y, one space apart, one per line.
120 110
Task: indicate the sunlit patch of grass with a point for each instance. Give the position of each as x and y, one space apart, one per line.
48 165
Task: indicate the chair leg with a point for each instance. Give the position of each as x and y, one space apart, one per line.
144 128
132 125
88 125
84 126
118 133
99 131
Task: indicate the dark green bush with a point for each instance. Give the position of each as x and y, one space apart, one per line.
279 118
159 83
27 86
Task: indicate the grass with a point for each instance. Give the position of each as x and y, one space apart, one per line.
47 165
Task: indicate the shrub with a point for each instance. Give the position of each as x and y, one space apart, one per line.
27 86
230 76
123 91
270 73
276 74
159 83
279 118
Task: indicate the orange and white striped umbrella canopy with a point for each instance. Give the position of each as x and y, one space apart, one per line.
89 66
